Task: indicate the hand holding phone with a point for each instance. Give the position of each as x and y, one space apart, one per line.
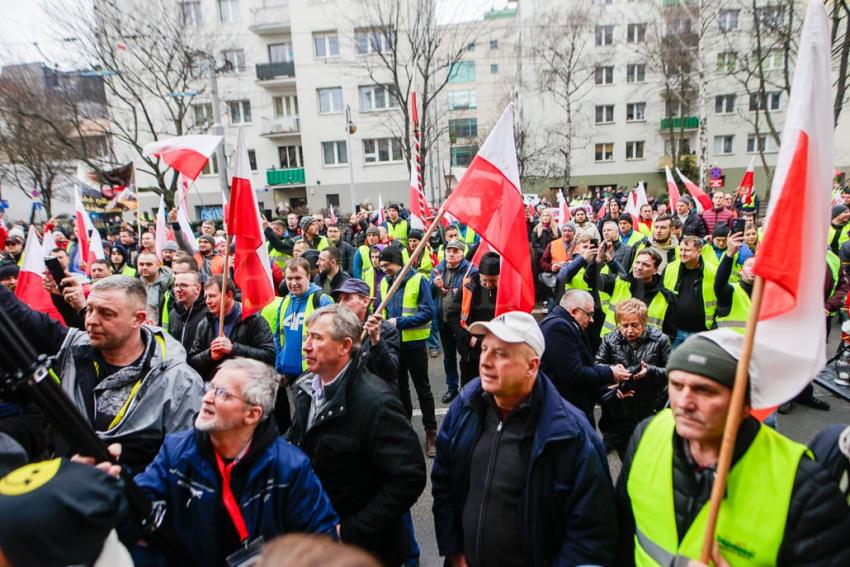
57 272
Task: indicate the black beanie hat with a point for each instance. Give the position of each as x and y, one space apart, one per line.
626 218
838 209
393 255
702 356
416 233
490 264
720 229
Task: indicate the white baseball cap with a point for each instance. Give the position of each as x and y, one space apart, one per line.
513 327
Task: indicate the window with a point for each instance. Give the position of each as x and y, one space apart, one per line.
190 14
334 153
462 72
326 44
636 33
252 159
768 101
382 150
291 157
728 20
636 112
604 75
240 111
760 143
634 150
463 128
604 35
330 100
679 26
684 146
203 114
494 68
212 165
770 16
773 60
234 60
494 44
377 97
724 104
280 53
461 100
723 145
462 156
636 73
373 41
604 113
604 152
675 108
726 61
228 11
603 2
470 46
332 200
285 106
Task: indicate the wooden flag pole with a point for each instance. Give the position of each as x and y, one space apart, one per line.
733 421
406 268
224 276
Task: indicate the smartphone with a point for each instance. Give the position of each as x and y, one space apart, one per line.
594 242
56 270
738 226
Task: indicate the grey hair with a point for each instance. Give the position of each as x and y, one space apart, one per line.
131 287
344 324
262 382
575 298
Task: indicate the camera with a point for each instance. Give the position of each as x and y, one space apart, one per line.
634 369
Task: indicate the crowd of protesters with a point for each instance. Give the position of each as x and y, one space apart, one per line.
300 418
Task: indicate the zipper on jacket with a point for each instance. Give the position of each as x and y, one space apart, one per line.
488 478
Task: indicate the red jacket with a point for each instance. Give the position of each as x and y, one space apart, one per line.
713 217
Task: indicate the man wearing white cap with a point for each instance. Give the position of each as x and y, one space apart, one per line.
537 488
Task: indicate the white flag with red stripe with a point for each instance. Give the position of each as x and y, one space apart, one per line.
703 200
636 200
672 190
183 185
48 243
418 205
488 199
332 215
4 233
564 215
379 215
790 340
251 265
747 183
83 226
29 288
187 154
161 227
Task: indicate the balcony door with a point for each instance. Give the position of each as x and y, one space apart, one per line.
290 157
280 53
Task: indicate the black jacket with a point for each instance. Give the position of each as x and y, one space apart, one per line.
482 308
183 323
818 521
568 362
346 252
283 245
336 281
367 456
382 359
251 338
694 225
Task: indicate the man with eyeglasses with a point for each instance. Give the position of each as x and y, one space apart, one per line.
188 308
568 360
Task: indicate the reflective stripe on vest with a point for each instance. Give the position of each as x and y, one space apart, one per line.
751 521
737 317
709 299
622 290
280 332
409 307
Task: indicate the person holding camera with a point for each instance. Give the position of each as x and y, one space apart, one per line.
644 352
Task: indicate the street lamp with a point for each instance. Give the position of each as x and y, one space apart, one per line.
350 129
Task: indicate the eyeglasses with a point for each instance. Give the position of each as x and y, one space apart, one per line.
221 394
589 314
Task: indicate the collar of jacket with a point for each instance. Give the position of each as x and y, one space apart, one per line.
199 304
336 405
264 435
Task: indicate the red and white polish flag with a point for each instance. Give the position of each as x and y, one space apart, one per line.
488 199
187 154
29 288
637 199
790 340
251 265
161 227
183 185
418 205
672 190
83 226
697 193
747 183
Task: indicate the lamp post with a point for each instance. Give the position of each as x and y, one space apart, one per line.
350 129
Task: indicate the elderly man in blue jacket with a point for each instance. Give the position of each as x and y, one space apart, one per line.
520 477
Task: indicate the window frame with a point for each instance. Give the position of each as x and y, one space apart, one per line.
607 112
470 95
635 106
637 69
391 101
335 146
243 104
603 35
605 71
331 90
232 12
328 39
639 34
723 138
393 145
604 147
635 145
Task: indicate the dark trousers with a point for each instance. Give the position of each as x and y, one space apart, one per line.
282 411
414 363
449 342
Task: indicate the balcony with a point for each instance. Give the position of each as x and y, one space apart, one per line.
275 177
680 123
270 20
281 127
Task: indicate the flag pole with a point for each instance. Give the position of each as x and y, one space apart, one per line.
406 268
733 420
224 275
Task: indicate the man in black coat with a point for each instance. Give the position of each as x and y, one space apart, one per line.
188 308
692 222
249 337
352 426
567 360
331 275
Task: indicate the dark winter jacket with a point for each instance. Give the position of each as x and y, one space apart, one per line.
568 362
567 505
251 338
183 323
482 308
346 252
334 283
367 456
829 455
275 487
817 523
382 359
694 225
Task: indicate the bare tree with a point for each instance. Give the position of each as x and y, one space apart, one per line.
840 36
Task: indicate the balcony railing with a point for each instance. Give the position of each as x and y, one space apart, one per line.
690 122
285 176
270 19
270 71
281 126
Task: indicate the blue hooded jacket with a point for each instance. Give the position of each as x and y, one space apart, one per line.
292 323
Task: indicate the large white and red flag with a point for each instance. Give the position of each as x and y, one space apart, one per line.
251 266
697 193
636 200
564 214
672 190
488 199
419 210
183 185
29 288
790 340
83 226
4 233
161 227
747 184
187 154
379 214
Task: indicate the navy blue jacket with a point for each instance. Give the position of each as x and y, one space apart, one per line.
277 491
567 506
423 315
